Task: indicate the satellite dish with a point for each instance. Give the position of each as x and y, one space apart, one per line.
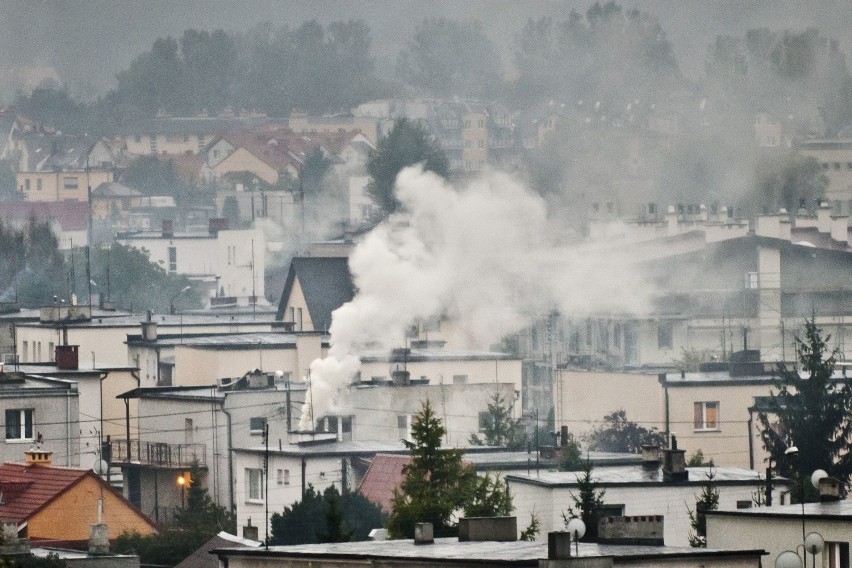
576 528
100 466
816 476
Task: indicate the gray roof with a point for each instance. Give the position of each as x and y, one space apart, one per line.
475 553
326 283
639 476
164 321
420 355
334 448
523 460
113 189
191 125
202 558
837 510
226 341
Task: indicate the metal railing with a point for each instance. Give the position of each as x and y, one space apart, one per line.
158 453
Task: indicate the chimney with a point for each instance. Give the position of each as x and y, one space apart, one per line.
10 543
840 228
829 489
216 225
67 357
424 533
99 539
558 545
563 437
168 228
491 529
674 463
636 530
38 457
650 456
149 328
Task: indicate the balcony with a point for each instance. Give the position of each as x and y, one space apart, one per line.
158 454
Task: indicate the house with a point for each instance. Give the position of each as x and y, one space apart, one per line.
103 335
50 503
228 263
196 359
302 123
779 528
62 168
38 407
315 287
202 558
646 489
114 201
835 159
454 553
177 427
180 135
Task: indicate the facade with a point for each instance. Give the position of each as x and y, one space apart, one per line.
180 135
633 491
205 424
229 263
37 407
301 123
315 287
779 528
835 158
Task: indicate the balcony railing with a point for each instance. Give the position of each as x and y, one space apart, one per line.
158 453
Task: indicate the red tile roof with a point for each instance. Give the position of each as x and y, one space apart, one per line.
28 489
70 215
383 477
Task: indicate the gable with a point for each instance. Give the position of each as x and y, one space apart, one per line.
325 283
241 160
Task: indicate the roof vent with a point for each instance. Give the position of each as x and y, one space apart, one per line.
424 533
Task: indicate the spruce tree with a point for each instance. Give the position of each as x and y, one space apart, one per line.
810 411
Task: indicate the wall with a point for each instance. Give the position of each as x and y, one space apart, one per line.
443 372
585 397
81 504
53 185
197 366
241 160
174 144
56 415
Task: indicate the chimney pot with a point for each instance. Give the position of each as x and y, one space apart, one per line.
424 533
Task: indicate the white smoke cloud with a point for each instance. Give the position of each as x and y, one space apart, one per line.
483 254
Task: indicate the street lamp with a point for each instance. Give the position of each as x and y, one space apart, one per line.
172 299
182 481
576 529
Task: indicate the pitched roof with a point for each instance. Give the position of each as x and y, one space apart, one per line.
382 478
202 558
28 489
326 283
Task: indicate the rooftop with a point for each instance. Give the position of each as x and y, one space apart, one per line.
226 341
496 553
637 475
836 510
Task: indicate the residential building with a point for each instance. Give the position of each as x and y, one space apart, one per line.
835 158
103 338
633 491
227 263
301 123
202 558
49 503
38 408
315 287
69 220
114 201
779 528
203 425
181 135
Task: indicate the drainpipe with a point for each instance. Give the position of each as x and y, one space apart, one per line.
750 438
304 467
230 461
68 428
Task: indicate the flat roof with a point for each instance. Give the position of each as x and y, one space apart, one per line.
170 321
636 475
522 460
518 553
226 341
720 378
439 354
335 448
833 510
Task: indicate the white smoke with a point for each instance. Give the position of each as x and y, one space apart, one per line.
483 255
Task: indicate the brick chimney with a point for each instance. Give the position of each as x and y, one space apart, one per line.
67 357
99 539
674 463
36 456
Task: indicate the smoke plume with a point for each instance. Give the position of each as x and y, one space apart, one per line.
484 255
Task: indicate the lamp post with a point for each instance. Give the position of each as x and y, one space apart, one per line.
182 481
173 298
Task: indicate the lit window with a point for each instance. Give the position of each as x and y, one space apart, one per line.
19 424
706 415
254 484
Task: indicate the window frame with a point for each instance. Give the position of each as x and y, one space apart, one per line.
700 422
254 485
25 421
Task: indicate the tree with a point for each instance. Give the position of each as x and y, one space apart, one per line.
811 412
588 503
192 526
435 483
447 57
532 530
790 181
326 517
488 496
406 144
32 268
499 428
570 457
707 501
697 460
153 176
618 434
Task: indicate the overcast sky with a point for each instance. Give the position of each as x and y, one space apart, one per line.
86 42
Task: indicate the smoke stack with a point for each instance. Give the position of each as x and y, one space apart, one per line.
149 328
829 489
650 456
558 545
424 533
99 539
674 463
67 357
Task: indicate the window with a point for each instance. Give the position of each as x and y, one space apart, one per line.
608 510
706 415
403 423
172 259
254 484
188 430
70 182
665 333
485 421
481 123
51 352
482 143
27 184
836 165
38 184
745 504
257 424
838 554
283 477
19 424
24 346
752 280
459 379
